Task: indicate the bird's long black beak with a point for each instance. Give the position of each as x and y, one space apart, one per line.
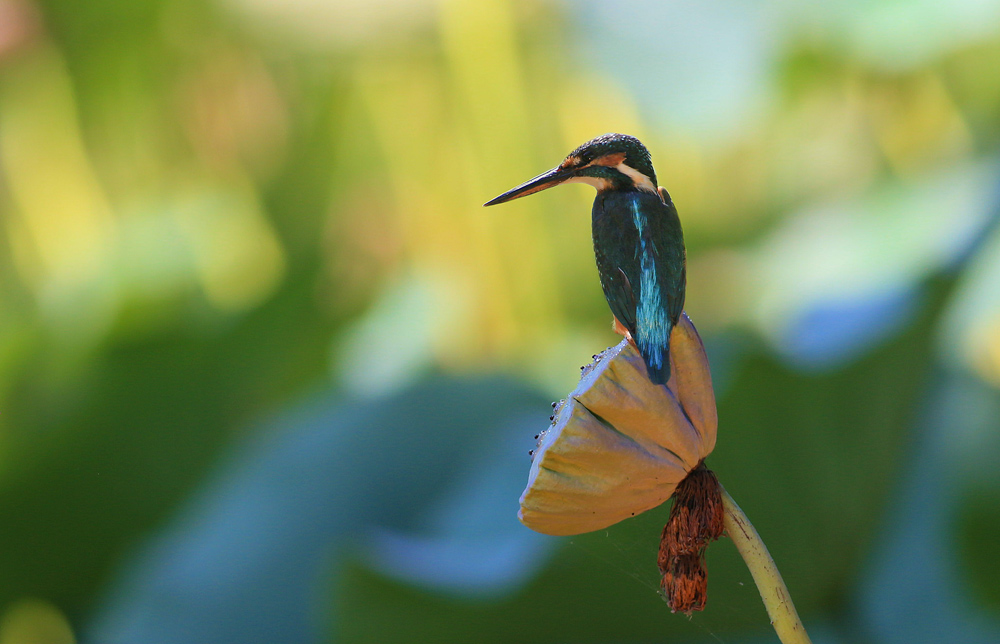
545 180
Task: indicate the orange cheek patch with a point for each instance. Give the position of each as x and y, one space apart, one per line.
611 159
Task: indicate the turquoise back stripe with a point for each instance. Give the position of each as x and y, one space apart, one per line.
651 321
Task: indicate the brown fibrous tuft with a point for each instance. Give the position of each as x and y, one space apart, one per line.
695 521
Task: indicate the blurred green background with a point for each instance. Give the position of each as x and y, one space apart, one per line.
259 342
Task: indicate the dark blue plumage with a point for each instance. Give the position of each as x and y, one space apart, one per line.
639 249
638 242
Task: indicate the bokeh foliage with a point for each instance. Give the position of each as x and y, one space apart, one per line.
208 209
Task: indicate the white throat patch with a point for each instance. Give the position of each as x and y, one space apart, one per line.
597 182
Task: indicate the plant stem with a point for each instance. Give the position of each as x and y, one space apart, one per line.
765 574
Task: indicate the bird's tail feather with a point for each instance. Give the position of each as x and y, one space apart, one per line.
657 364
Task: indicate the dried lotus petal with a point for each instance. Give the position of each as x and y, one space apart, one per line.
620 444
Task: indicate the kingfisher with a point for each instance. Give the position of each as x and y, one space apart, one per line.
638 242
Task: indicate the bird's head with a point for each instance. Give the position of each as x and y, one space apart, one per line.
609 162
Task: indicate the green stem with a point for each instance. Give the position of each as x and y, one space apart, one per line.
765 574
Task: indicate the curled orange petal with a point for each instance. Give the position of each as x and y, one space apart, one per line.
619 444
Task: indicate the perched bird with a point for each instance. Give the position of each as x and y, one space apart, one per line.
638 241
